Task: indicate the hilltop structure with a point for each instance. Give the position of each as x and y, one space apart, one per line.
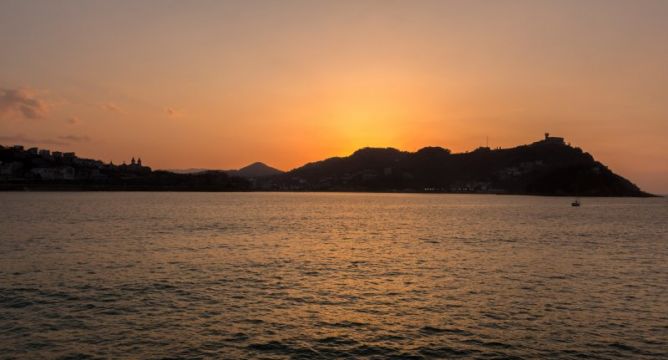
136 167
553 139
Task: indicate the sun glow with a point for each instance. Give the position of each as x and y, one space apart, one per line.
223 84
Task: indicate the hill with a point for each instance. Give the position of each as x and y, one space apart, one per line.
255 170
546 167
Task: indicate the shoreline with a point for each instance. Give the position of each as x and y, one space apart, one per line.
119 188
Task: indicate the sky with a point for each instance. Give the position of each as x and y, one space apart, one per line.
221 84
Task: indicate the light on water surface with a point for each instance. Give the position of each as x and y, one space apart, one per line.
263 275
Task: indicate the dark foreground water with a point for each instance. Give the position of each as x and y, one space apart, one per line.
196 275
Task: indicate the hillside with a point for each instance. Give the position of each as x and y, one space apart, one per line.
546 167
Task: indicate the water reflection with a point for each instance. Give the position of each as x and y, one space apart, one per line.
331 275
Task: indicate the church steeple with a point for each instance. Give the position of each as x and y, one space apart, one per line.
139 161
133 161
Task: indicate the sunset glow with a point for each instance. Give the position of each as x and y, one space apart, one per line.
333 179
219 85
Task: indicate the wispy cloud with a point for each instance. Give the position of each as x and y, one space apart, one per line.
171 112
111 107
74 138
21 139
23 102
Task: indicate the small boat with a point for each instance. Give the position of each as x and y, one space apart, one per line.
575 203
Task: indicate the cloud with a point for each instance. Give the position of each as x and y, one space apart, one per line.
23 102
74 138
20 139
173 112
112 108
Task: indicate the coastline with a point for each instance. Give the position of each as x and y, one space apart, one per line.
136 188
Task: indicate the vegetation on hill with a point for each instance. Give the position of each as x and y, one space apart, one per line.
542 168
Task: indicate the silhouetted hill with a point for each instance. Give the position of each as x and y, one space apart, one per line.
255 170
188 171
546 167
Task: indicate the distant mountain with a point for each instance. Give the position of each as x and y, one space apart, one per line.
187 171
255 170
546 167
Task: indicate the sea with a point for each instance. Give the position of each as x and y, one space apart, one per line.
157 275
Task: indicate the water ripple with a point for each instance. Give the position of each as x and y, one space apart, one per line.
331 276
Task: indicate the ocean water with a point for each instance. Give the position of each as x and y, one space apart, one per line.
326 276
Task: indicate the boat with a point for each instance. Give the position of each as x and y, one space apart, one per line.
576 203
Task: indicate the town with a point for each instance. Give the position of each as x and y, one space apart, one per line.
20 164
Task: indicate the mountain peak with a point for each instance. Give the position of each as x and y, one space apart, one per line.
255 165
256 169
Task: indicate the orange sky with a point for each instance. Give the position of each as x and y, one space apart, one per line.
220 84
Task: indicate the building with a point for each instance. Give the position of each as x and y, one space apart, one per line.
62 173
68 172
135 167
45 153
32 151
46 173
553 139
12 169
